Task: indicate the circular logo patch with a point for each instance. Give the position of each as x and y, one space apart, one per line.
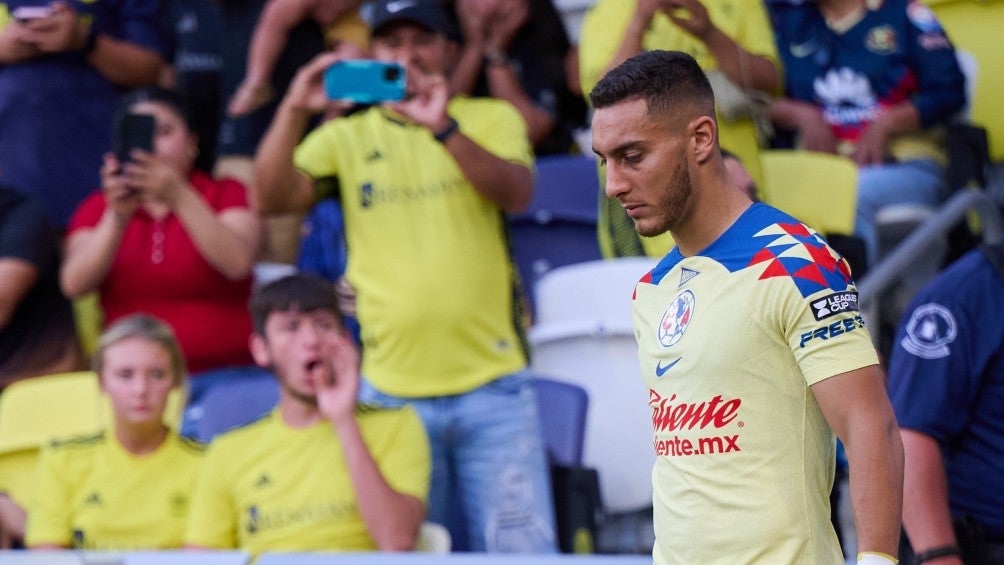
676 319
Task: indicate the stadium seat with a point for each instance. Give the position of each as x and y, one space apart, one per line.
433 538
563 407
584 336
819 189
559 228
969 26
236 403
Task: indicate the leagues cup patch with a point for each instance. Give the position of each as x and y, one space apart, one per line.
836 303
676 319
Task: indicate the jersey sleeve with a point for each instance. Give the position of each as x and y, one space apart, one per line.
49 509
826 333
314 156
500 129
211 519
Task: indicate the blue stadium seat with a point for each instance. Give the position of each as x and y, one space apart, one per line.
559 228
235 403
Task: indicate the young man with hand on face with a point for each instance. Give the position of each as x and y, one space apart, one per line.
319 473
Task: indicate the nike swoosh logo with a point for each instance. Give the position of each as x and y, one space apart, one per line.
395 7
660 370
802 50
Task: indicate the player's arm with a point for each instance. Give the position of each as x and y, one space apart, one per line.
926 516
857 408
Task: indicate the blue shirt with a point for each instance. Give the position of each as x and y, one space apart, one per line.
946 380
57 110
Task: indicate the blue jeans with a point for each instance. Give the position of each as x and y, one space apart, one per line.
490 479
200 383
919 181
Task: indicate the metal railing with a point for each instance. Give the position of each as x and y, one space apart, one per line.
892 268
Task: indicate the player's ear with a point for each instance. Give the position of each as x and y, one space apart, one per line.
703 137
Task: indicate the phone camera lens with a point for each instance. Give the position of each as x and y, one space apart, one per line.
392 73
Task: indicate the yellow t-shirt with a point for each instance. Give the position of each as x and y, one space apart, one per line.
428 254
270 487
730 341
90 493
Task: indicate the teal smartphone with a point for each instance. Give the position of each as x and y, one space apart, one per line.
365 81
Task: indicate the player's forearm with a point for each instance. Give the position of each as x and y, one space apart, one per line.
875 455
392 518
926 515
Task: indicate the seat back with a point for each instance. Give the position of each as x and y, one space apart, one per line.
562 407
433 538
236 403
819 189
970 28
584 336
559 227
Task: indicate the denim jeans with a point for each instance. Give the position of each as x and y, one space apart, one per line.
918 181
490 479
200 383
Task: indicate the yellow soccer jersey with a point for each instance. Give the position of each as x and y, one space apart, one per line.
270 487
427 254
90 493
729 342
745 21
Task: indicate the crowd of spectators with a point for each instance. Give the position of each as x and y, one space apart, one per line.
413 351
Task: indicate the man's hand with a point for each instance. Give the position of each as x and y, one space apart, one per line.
336 379
871 146
426 103
690 15
59 32
306 91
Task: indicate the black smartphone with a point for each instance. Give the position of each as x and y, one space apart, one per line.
134 131
365 81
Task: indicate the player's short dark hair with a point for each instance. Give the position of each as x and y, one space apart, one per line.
664 79
301 292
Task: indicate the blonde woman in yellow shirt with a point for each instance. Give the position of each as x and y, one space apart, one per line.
127 487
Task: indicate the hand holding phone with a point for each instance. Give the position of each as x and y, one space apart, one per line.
365 81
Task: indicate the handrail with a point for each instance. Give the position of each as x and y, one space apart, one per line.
890 269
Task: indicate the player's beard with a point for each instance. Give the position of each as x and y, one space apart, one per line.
675 198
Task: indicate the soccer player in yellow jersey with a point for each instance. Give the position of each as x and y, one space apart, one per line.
750 342
424 184
319 473
127 488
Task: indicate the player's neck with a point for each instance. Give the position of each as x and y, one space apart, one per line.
713 210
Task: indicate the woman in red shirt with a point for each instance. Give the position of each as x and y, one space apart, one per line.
164 238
